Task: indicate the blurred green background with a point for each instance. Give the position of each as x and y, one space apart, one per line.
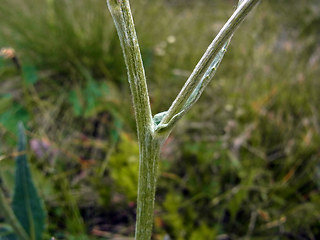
243 164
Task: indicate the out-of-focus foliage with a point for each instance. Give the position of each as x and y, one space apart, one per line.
26 203
124 167
26 211
244 164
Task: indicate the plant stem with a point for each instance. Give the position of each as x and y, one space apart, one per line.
149 144
122 17
196 93
226 32
149 157
149 138
11 218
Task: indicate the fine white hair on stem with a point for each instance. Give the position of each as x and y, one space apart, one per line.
204 70
153 131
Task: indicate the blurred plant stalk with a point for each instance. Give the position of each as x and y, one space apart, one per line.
153 131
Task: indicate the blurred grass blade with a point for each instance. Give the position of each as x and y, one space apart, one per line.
26 203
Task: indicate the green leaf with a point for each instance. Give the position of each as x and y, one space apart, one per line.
115 131
26 203
76 103
242 194
124 166
203 232
5 102
1 62
6 233
104 89
11 113
29 74
92 94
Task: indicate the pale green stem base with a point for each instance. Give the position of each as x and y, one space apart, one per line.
149 158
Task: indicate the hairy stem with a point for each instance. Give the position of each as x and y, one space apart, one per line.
149 135
149 157
204 63
149 145
122 17
196 93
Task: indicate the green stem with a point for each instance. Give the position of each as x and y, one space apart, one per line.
196 76
149 137
149 144
122 17
11 218
196 93
149 157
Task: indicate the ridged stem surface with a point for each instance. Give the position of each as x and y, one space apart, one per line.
149 145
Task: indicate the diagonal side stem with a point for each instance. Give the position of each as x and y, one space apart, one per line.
208 75
195 95
204 63
149 140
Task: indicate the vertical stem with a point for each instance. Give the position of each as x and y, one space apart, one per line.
149 144
122 17
149 140
149 156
